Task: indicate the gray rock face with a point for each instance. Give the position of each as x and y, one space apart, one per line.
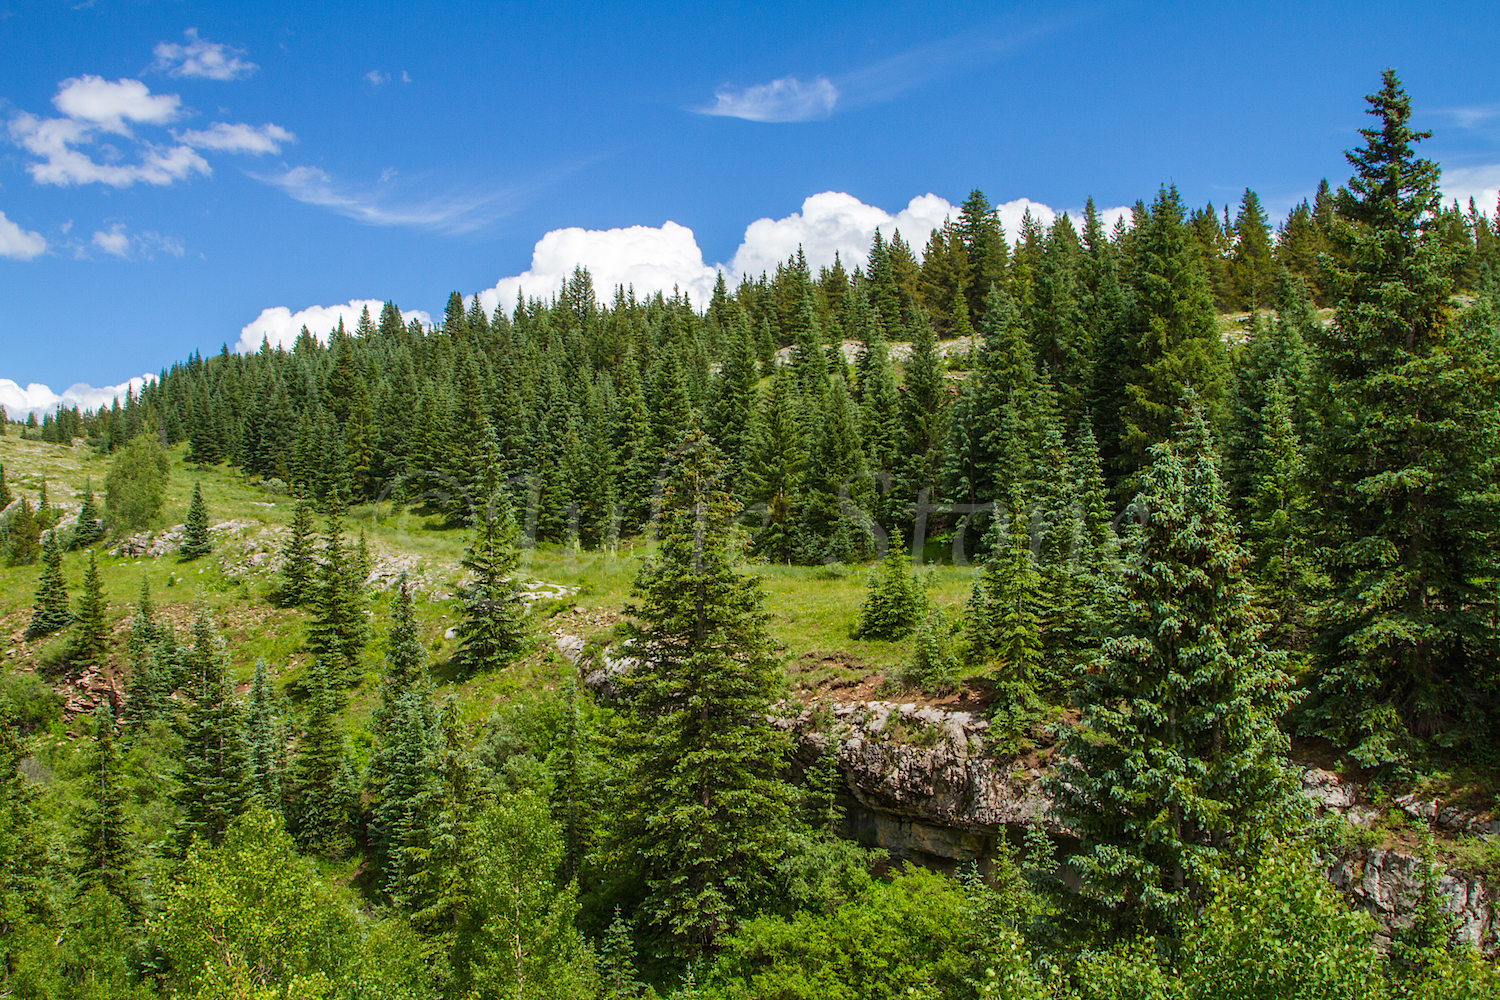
919 783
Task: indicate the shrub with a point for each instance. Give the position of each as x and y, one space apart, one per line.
1281 932
136 486
934 664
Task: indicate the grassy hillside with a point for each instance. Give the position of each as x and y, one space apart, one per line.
813 609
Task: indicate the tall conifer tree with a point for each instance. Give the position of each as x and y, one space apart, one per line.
50 611
700 760
214 786
1406 648
1175 769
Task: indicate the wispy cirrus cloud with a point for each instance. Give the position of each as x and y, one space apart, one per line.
785 100
201 58
789 99
385 204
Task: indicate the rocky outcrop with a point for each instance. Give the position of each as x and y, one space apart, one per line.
920 783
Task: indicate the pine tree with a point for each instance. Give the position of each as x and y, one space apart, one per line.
1402 466
340 626
214 786
617 975
25 535
298 565
322 792
50 611
266 741
89 527
6 499
700 760
894 599
401 730
1279 509
1171 338
493 629
107 855
1251 268
776 469
195 541
91 633
1175 769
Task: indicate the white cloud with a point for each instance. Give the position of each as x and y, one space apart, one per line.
17 243
785 100
834 221
651 259
375 78
238 138
39 399
1480 183
118 241
110 106
209 60
114 242
281 326
405 77
643 257
52 139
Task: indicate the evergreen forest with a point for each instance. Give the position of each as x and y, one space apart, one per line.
504 657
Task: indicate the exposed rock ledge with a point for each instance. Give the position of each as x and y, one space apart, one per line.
918 783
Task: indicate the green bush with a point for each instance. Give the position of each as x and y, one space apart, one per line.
136 486
934 664
1281 932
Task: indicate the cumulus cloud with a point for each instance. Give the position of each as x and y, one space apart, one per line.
238 138
785 100
646 258
201 58
660 259
834 222
53 139
118 241
17 243
1481 183
281 327
109 106
41 400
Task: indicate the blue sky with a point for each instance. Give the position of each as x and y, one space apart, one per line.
168 171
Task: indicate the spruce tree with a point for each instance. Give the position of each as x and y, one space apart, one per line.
50 611
401 730
493 629
89 527
1279 509
776 470
894 599
700 760
1175 769
323 791
106 853
24 536
265 740
6 499
617 975
298 563
1402 466
91 633
195 541
214 786
340 626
